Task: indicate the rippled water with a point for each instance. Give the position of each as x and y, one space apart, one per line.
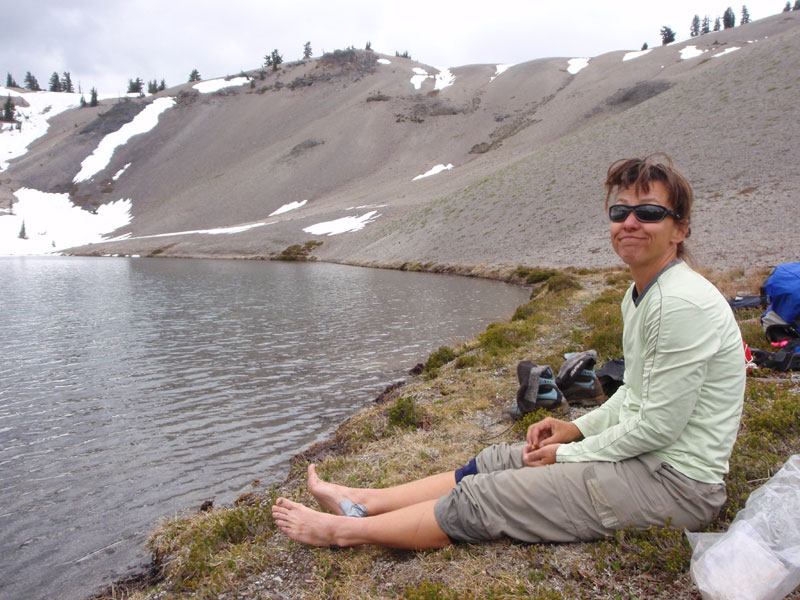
131 389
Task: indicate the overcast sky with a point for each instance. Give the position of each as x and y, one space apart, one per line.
103 43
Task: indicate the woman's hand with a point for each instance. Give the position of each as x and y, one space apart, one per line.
545 455
552 431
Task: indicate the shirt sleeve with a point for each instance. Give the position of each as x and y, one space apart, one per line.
678 342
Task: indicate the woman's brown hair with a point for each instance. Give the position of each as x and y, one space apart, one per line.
639 173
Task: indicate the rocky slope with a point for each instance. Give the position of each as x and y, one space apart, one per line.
348 133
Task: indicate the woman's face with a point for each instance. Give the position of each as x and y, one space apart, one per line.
646 244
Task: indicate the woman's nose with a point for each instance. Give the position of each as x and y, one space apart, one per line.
630 220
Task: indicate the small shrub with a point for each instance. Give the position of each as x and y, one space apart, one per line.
297 252
501 338
439 358
524 311
539 275
536 415
405 414
467 360
378 97
561 282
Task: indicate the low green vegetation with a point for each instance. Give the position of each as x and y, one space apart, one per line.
406 414
437 422
299 252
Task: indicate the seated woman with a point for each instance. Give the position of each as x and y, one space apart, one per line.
655 452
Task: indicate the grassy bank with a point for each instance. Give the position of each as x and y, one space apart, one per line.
437 421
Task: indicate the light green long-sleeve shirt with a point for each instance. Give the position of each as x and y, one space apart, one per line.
684 381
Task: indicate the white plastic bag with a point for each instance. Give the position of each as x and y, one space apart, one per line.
758 558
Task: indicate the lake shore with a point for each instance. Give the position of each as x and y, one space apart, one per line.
438 420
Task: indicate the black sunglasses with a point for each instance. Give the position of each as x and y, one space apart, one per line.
644 213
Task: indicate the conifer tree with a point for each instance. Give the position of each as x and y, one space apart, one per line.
717 24
645 46
152 87
66 83
667 35
31 83
83 101
728 18
55 83
694 30
162 86
22 234
745 15
788 6
368 46
194 75
276 59
10 81
796 4
93 97
306 50
8 110
706 26
135 86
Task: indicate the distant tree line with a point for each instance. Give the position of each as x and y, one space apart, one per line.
727 21
136 86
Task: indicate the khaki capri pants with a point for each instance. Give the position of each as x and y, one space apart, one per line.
570 502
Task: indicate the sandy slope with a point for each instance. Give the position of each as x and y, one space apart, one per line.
345 131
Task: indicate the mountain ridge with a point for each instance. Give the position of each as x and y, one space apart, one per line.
528 148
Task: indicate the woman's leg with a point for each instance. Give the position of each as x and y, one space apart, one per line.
381 500
412 527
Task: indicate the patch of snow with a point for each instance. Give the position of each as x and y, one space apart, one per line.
576 64
384 61
214 85
690 52
632 55
119 173
343 225
499 70
288 207
420 75
434 171
726 51
33 120
366 206
53 223
142 123
217 231
444 79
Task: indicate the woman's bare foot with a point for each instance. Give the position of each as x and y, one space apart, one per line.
303 524
329 495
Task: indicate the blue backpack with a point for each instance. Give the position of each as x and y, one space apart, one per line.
781 321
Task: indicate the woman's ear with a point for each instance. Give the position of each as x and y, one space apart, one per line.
682 231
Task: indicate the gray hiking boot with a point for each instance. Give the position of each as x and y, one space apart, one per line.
578 381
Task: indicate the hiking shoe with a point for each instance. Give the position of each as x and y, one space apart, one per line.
537 389
549 396
584 389
578 381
